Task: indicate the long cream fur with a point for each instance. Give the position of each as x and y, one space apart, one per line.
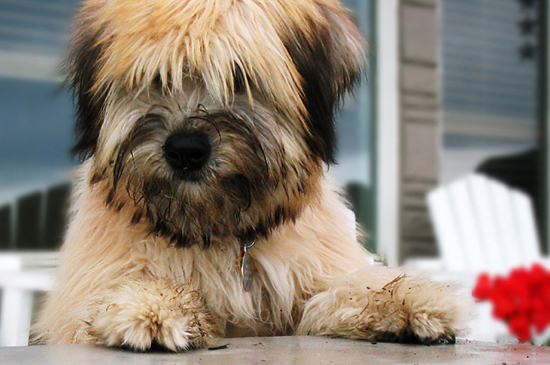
144 69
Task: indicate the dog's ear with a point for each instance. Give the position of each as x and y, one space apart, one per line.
82 67
330 57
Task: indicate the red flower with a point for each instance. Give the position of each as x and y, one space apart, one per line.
522 299
483 287
519 326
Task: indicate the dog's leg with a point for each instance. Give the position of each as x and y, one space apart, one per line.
141 314
380 304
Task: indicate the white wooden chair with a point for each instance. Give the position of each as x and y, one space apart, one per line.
32 221
21 276
481 225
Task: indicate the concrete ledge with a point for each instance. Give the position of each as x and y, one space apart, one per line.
286 350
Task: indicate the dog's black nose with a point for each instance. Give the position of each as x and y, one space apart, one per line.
187 151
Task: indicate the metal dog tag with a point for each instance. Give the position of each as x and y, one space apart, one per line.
246 267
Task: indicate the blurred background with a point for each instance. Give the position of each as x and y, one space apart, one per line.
454 86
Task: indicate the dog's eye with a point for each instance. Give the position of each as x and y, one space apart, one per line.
239 81
160 84
157 82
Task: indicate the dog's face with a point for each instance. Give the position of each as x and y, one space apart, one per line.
211 118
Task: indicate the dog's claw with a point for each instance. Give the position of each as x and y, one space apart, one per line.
450 339
406 336
445 339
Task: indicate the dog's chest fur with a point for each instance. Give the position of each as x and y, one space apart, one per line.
288 268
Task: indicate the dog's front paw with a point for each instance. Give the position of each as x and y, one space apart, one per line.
142 314
416 310
435 314
405 309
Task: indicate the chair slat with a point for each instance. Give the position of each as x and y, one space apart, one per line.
57 199
5 227
490 234
466 218
507 223
28 222
528 237
446 230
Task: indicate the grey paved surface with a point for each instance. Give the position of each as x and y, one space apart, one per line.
286 350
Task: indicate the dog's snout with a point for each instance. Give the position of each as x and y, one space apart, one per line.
187 151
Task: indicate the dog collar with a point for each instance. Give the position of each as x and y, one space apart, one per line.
247 268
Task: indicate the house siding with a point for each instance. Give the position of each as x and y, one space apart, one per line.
420 103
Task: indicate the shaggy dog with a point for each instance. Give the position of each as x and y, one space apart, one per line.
202 206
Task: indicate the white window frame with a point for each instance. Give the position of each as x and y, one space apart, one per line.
388 131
